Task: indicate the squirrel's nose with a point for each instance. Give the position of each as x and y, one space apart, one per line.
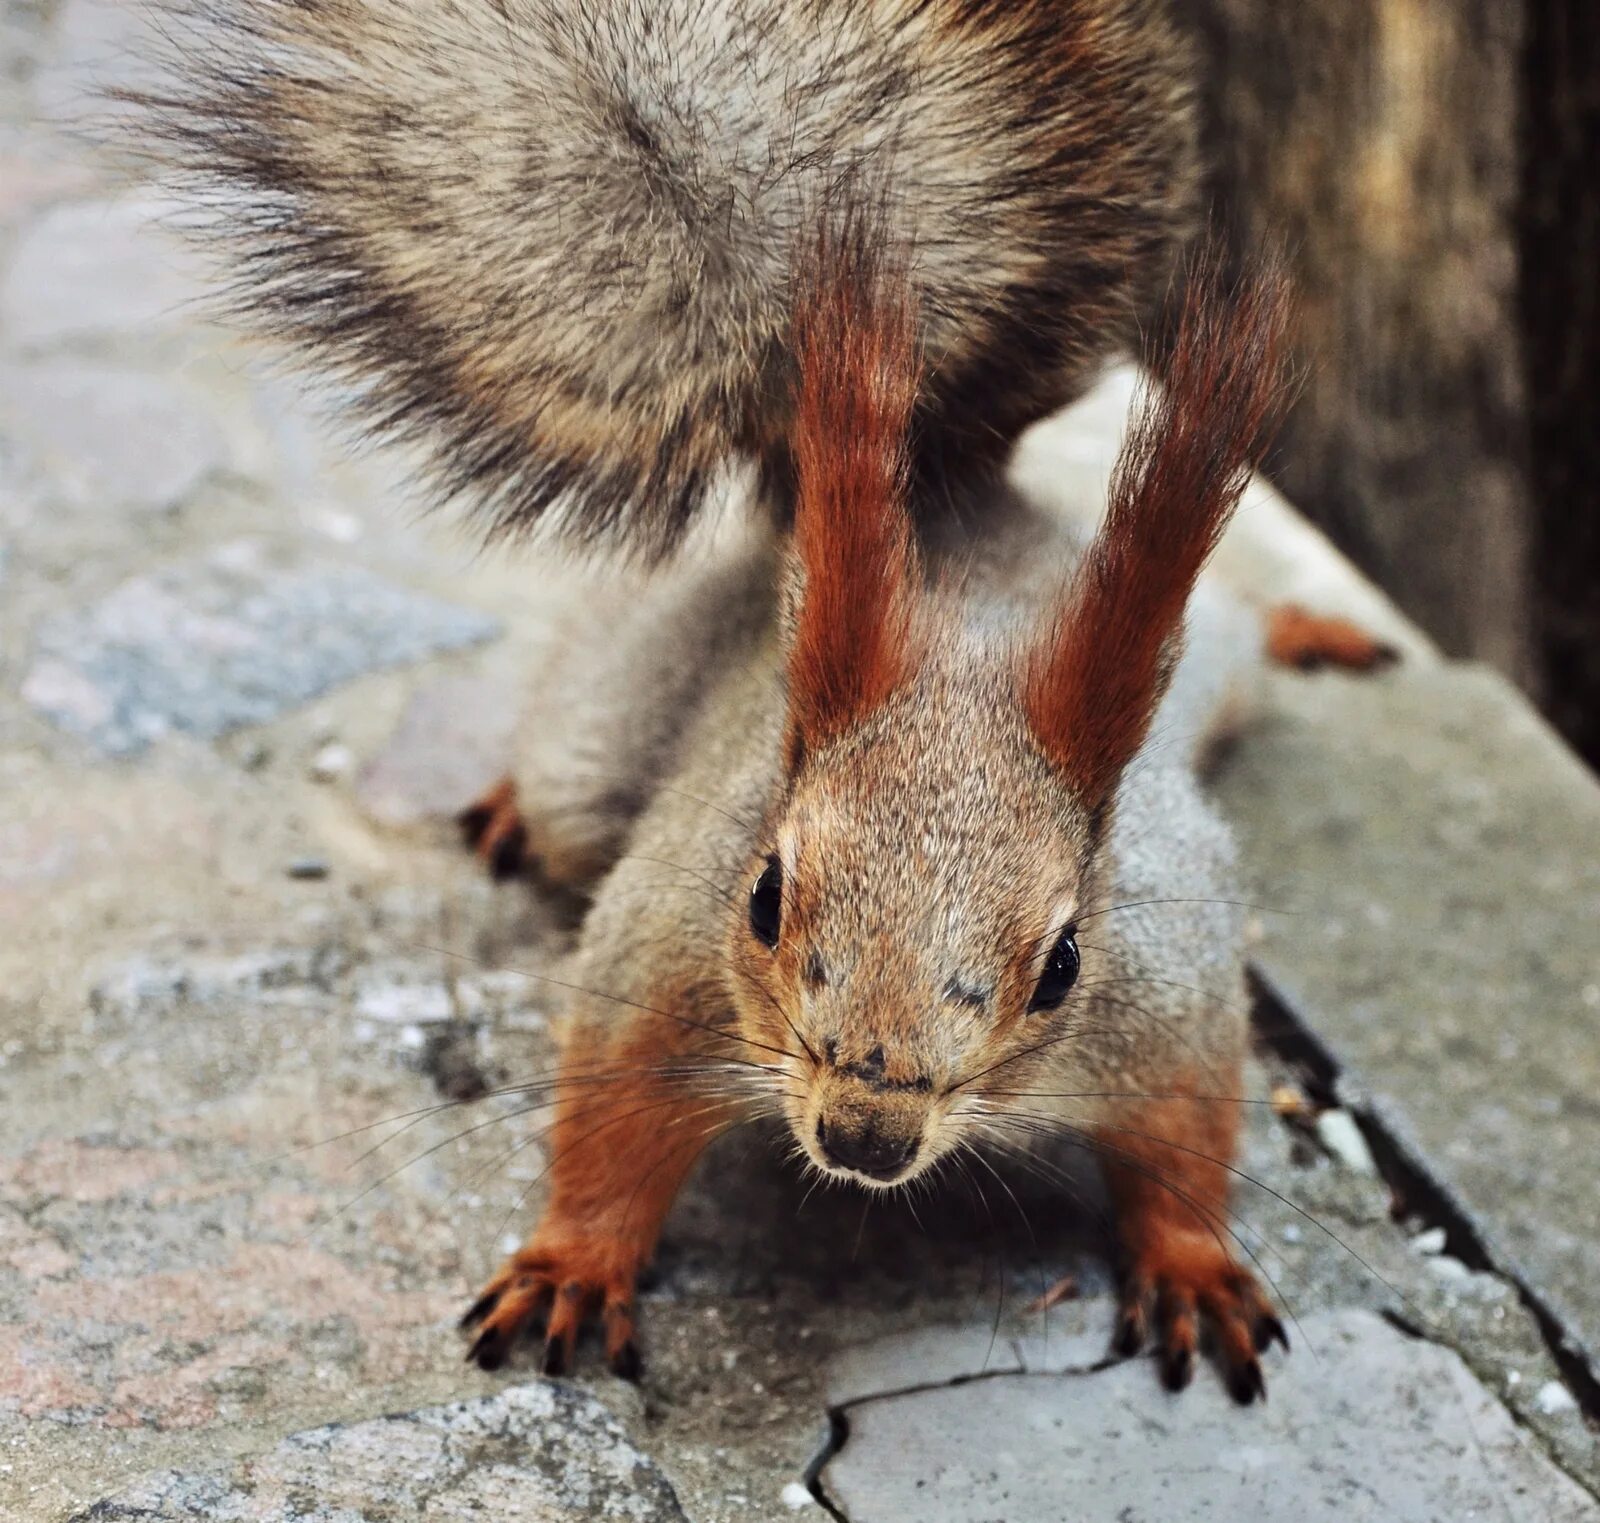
866 1150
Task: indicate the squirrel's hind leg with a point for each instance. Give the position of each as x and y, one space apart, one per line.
494 828
1308 641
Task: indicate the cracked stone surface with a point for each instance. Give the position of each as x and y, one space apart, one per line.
532 1454
1439 852
1376 1427
241 1204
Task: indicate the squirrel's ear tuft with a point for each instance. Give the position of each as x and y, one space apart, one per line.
855 574
1092 682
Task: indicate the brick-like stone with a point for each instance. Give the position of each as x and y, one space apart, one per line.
226 640
111 435
530 1454
452 743
1366 1426
1441 850
92 269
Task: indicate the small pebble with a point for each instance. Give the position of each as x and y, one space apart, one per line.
1430 1242
1289 1102
796 1496
1554 1398
310 868
331 763
1448 1268
1338 1133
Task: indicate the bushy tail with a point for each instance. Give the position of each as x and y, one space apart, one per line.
556 242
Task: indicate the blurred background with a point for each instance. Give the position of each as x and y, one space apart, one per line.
1435 168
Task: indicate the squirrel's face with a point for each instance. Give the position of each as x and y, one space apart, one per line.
908 946
908 935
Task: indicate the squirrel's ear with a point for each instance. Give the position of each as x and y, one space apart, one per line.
1091 683
850 597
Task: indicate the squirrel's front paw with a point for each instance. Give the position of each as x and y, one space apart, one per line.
559 1285
1186 1283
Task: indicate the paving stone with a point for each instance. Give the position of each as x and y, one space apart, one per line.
531 1454
94 269
225 640
30 181
97 46
927 1356
1072 1337
112 436
1377 1428
453 742
1439 851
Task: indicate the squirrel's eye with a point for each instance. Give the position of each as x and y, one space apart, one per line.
1060 972
766 903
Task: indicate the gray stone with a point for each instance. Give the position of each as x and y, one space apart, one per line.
1377 1428
1440 851
530 1454
91 269
1338 1132
227 640
99 46
454 741
33 180
925 1357
112 435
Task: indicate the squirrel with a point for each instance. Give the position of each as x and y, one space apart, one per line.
931 819
877 808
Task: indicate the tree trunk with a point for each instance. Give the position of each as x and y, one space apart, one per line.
1379 140
1561 316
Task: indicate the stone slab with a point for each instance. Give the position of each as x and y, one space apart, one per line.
92 270
927 1356
111 436
1379 1428
530 1454
1437 852
454 741
225 640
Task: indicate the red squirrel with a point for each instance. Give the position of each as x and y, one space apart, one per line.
905 923
893 742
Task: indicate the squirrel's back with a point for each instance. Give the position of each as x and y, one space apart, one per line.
557 241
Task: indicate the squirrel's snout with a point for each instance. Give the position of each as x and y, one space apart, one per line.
867 1149
871 1111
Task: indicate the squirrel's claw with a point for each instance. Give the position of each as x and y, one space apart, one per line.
1220 1298
533 1294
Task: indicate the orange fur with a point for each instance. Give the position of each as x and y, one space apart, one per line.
856 352
1092 685
620 1148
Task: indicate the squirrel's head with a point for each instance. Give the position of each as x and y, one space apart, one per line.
910 934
